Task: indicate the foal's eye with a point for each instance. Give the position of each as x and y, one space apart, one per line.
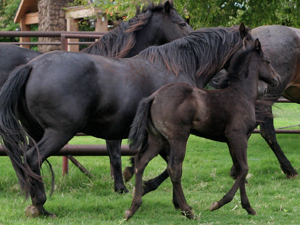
182 24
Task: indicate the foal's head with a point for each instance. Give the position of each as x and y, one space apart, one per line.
266 71
250 60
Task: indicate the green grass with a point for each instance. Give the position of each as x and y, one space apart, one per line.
80 200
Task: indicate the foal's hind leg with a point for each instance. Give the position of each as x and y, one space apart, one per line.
114 151
141 160
154 183
51 143
267 131
177 154
238 151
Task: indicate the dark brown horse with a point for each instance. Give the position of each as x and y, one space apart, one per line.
59 94
282 45
156 24
165 120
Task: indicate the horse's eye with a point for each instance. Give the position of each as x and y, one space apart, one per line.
182 24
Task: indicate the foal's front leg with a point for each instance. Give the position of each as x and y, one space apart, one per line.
238 151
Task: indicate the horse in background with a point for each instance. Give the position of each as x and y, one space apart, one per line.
165 120
155 24
59 94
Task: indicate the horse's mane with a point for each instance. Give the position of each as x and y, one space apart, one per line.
234 70
118 42
202 52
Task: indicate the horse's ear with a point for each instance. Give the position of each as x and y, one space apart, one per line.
243 30
257 45
167 7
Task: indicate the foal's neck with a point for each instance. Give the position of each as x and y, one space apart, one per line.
248 82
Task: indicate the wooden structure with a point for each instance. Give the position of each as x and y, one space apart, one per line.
28 14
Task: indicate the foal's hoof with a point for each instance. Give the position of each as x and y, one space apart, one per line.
31 211
214 206
252 212
128 215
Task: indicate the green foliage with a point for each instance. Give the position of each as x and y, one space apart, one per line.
210 13
8 9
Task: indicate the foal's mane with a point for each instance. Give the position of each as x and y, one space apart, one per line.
118 42
202 52
236 66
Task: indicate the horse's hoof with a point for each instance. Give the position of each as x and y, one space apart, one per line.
128 215
252 212
31 211
122 191
188 214
292 176
214 206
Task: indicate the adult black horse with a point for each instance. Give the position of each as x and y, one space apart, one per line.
156 24
61 93
12 56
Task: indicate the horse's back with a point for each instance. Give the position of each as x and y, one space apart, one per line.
282 46
12 56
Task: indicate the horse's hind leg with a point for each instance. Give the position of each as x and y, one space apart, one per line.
114 151
177 154
267 131
153 184
141 159
51 143
238 152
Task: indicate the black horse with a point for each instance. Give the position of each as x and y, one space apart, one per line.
156 24
282 45
59 94
12 56
165 120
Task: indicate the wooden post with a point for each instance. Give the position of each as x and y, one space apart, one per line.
101 24
72 25
24 27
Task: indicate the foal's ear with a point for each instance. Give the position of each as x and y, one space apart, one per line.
257 45
168 6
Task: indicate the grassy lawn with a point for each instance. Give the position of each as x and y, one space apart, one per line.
78 199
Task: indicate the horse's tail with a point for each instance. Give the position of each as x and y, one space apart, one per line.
14 136
138 131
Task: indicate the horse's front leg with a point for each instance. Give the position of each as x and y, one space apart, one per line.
238 151
114 151
267 131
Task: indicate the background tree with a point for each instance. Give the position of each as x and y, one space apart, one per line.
7 12
209 13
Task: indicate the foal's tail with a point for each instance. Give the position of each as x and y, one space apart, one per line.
14 137
138 131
